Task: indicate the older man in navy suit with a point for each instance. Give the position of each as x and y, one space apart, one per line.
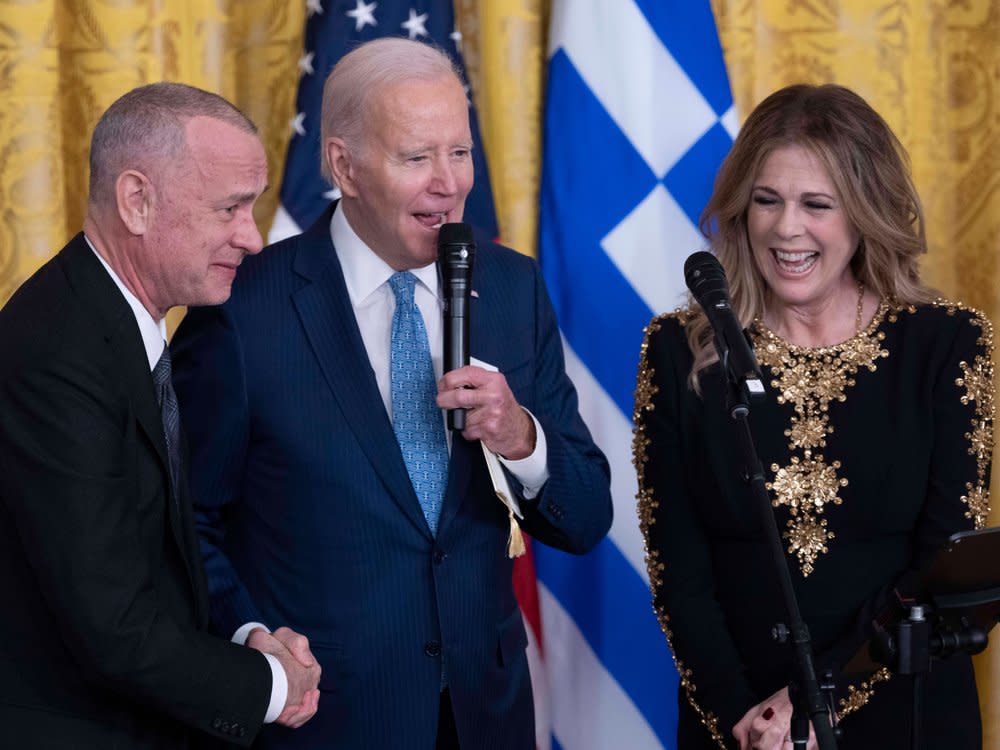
332 498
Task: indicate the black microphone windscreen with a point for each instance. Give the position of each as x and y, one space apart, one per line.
705 278
455 233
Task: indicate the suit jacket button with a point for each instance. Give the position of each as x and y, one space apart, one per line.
216 723
224 727
432 648
439 556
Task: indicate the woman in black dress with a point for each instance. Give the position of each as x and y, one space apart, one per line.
876 433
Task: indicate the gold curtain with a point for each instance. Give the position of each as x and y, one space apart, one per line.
62 62
504 53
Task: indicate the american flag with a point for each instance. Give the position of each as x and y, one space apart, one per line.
639 115
333 28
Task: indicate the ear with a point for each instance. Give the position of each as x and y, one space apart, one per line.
343 166
133 198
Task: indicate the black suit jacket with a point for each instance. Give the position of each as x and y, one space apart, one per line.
102 638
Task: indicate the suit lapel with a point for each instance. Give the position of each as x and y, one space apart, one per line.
121 332
324 308
463 453
99 293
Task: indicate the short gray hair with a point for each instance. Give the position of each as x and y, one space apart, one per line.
146 125
361 74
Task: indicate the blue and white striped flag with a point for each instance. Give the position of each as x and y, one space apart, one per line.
333 28
638 118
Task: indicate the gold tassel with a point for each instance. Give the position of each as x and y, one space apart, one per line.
515 543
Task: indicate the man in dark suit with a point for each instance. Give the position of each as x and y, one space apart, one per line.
330 496
103 640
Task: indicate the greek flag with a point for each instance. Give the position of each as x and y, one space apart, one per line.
638 117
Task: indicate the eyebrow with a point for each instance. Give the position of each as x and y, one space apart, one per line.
811 194
418 150
243 197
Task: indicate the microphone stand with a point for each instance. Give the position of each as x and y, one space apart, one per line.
804 691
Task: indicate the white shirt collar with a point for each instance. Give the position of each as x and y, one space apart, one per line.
154 333
364 271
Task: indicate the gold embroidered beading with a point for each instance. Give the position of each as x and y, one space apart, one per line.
810 379
647 505
977 382
858 696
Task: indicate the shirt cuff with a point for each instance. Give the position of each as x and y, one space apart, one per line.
279 689
243 632
532 471
279 680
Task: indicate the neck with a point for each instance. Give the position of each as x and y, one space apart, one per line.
114 250
825 322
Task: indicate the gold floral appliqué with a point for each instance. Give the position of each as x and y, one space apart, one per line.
810 379
976 383
647 504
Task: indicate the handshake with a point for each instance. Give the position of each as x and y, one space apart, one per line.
301 669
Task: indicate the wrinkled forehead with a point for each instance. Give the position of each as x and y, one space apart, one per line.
443 96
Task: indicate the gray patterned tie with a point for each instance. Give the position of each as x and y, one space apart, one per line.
416 418
171 416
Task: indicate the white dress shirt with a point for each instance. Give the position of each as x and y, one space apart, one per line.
367 278
154 340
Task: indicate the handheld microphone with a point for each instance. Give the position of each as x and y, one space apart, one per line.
707 281
456 254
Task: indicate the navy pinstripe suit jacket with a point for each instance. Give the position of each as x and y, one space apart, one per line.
308 518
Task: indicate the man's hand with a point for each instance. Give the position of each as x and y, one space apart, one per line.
492 413
301 668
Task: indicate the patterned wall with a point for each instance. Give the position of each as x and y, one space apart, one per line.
504 43
62 62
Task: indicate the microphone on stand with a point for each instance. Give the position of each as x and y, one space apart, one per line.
705 278
456 254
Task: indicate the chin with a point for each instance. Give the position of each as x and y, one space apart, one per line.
213 297
423 255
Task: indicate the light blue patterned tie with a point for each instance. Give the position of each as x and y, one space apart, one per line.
416 418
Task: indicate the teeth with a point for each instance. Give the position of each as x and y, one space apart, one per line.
797 262
792 257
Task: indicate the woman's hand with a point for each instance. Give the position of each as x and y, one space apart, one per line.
766 726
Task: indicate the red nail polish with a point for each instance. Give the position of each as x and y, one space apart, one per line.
768 713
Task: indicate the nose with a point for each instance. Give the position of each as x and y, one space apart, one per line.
444 180
788 224
247 235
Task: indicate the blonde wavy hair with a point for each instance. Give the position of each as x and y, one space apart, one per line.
870 170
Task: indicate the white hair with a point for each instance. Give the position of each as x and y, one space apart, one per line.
361 74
